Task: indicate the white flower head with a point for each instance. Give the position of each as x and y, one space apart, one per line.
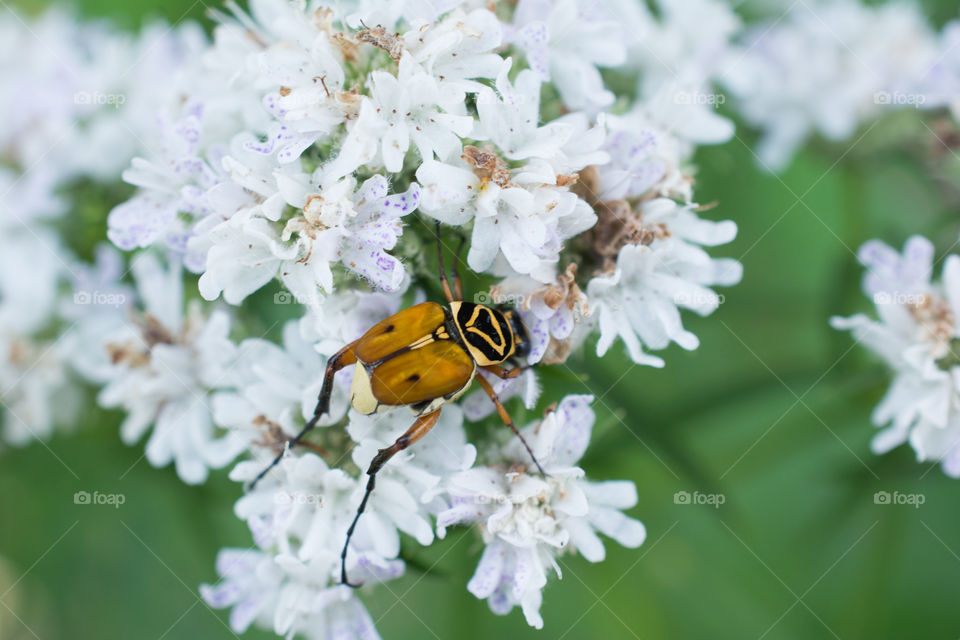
565 42
916 336
527 520
164 366
639 301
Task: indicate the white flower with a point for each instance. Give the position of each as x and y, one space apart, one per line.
409 108
357 13
678 54
163 369
826 68
34 389
524 221
303 510
277 592
510 118
408 486
177 182
29 198
277 387
306 72
940 86
550 313
916 336
640 300
86 94
528 229
243 254
565 43
99 308
346 315
337 224
458 49
528 520
354 227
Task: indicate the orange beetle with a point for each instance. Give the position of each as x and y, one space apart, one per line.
423 357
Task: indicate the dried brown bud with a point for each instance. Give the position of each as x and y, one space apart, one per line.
488 165
382 39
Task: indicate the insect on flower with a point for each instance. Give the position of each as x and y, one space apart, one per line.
423 357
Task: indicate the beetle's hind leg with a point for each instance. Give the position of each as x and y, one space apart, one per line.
420 428
338 361
507 420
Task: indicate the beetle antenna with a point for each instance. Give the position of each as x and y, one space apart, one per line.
457 283
443 273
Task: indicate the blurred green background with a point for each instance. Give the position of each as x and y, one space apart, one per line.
771 412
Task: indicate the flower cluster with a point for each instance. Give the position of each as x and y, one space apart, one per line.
916 335
83 100
309 150
826 67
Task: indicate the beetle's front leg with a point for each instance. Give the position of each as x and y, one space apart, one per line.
507 420
339 360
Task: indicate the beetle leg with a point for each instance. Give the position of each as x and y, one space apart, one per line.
503 372
443 273
506 419
420 428
338 361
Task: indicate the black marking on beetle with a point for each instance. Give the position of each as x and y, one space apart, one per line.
485 329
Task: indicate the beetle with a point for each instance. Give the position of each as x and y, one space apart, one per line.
423 357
